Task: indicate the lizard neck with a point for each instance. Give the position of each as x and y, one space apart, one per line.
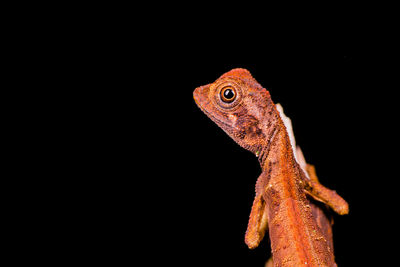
265 148
277 142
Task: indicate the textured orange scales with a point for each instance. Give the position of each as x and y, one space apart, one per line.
288 194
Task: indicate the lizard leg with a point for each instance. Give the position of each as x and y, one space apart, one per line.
258 222
323 194
311 172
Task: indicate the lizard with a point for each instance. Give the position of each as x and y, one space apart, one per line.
288 192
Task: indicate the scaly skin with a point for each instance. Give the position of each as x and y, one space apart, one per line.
299 230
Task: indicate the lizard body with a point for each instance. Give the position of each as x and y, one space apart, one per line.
299 230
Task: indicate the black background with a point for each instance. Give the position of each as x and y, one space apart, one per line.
164 182
122 168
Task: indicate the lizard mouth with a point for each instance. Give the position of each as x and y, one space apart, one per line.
200 99
198 95
203 103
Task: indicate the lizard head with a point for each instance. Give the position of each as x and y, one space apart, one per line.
237 103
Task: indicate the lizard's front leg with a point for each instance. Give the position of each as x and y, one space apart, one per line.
323 194
258 221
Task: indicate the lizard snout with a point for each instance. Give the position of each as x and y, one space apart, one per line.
200 95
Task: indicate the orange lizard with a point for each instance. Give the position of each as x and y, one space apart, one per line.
299 230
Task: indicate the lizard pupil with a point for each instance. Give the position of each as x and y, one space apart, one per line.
228 95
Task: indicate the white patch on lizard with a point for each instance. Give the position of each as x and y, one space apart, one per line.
288 124
300 158
298 154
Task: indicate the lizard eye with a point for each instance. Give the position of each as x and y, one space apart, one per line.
228 94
